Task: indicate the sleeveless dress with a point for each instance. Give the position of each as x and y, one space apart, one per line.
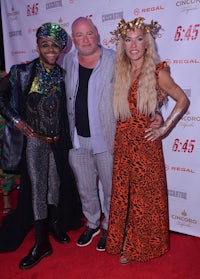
138 223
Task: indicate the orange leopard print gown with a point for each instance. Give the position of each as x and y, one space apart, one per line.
138 223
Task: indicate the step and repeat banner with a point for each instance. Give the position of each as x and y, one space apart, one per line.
178 44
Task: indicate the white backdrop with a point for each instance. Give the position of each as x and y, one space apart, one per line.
178 43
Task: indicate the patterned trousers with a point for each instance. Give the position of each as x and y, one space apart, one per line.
88 168
45 181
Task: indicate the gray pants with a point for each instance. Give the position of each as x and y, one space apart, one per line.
88 168
43 174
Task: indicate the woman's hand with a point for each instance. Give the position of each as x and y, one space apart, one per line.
154 133
156 121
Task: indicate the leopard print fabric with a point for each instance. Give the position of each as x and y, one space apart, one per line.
138 223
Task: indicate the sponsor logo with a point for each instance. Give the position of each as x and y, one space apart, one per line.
112 16
53 4
63 24
15 33
138 11
178 169
183 220
177 194
182 61
189 120
188 5
13 13
182 169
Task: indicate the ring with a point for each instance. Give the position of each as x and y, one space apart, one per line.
154 134
24 128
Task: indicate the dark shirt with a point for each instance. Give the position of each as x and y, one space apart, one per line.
81 106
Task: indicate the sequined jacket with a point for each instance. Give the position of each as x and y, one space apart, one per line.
13 91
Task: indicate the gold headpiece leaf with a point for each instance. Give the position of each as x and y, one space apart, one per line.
123 27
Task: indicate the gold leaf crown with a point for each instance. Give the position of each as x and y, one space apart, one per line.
123 27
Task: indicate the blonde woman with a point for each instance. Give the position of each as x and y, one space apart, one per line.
138 224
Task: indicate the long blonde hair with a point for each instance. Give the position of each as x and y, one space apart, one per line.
146 92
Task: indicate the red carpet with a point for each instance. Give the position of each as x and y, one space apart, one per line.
71 262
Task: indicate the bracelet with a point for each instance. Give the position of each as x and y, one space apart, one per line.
15 121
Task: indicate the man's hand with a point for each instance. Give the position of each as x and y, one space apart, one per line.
24 128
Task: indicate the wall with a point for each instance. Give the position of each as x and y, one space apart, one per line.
178 44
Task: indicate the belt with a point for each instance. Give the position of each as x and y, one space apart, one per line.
46 139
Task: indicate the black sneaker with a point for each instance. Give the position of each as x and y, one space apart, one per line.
87 236
102 242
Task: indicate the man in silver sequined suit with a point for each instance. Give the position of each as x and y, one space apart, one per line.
36 107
